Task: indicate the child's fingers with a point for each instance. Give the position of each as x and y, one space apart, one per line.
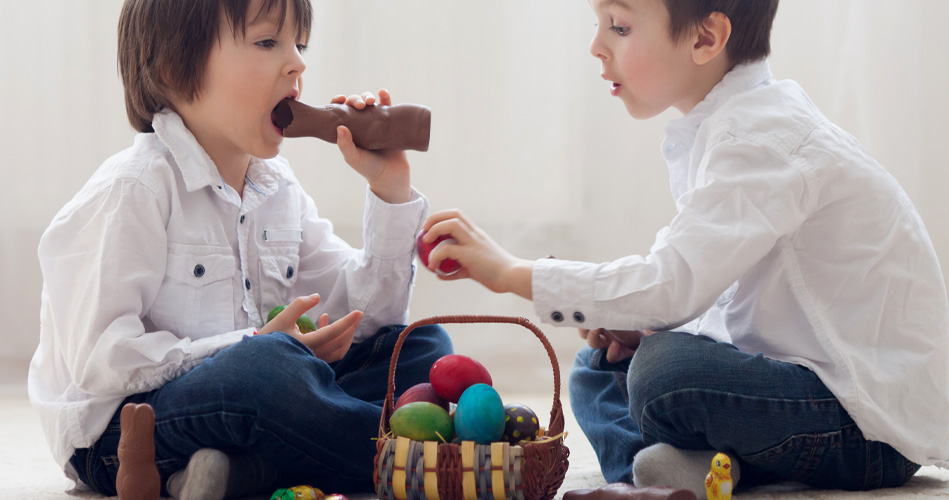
369 98
340 326
324 320
442 251
458 275
344 140
300 306
597 339
338 99
327 338
338 347
385 98
617 352
457 228
441 215
356 101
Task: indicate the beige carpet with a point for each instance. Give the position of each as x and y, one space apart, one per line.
27 471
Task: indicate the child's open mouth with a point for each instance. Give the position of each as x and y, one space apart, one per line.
282 115
614 89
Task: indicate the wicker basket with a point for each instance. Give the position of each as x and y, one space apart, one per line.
415 470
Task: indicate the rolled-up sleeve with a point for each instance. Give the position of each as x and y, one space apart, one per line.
745 197
376 279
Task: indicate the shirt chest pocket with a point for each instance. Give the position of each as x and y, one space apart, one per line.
196 298
278 273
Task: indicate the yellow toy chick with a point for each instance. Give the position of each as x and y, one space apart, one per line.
718 482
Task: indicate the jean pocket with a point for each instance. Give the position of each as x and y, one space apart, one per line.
101 473
833 460
169 466
793 459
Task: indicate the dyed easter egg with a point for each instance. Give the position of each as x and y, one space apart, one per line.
479 416
448 266
520 424
454 373
420 392
304 323
422 421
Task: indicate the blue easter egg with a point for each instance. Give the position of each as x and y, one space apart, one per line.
479 416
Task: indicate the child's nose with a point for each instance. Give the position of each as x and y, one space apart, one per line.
297 64
597 49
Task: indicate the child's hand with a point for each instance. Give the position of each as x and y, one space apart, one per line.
619 344
328 342
386 171
480 257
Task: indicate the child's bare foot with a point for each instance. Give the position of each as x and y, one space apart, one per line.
137 478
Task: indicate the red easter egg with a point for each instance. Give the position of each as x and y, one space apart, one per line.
447 266
454 373
421 392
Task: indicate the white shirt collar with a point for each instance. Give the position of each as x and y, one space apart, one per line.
741 78
197 168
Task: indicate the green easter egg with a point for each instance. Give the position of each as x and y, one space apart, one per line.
304 323
274 312
422 421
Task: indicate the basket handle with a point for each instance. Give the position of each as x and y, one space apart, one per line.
556 411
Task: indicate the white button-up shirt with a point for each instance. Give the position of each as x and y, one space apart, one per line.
792 241
157 264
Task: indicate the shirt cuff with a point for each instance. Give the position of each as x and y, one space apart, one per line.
563 293
389 230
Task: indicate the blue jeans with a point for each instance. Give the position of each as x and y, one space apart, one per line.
268 395
691 392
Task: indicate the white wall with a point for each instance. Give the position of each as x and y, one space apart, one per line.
525 136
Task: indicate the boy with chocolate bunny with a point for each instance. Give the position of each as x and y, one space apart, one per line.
159 275
790 242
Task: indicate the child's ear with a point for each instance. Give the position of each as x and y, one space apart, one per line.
711 35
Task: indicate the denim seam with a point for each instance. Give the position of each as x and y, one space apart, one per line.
621 382
645 417
376 347
90 460
679 392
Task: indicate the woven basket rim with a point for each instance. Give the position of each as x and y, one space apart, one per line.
556 423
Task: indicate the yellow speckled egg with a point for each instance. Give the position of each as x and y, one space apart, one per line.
520 424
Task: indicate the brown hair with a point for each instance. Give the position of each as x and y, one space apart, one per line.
750 19
164 46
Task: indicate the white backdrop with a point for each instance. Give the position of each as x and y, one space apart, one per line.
525 138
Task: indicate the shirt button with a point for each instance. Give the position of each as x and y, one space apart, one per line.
578 317
242 219
289 272
199 270
247 283
557 316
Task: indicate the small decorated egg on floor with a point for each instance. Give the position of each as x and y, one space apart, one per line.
302 492
520 424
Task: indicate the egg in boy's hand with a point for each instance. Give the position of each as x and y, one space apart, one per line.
447 266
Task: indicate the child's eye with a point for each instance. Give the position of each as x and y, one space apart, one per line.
621 31
268 43
301 47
